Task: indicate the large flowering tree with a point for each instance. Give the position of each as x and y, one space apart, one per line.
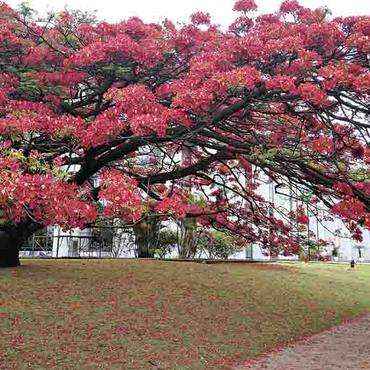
182 121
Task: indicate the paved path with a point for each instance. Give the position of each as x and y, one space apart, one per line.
344 347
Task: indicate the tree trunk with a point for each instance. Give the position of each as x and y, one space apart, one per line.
145 237
11 239
143 249
188 247
9 251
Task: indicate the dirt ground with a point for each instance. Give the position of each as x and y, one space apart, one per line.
344 347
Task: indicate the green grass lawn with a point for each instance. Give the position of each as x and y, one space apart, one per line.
74 314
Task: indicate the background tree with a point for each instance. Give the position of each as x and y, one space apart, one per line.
218 244
283 96
188 237
166 243
146 236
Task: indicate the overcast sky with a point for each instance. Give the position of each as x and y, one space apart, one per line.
179 10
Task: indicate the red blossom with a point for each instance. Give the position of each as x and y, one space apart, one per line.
350 209
245 5
302 219
241 24
367 221
343 188
290 6
121 196
284 83
323 145
199 18
175 204
313 94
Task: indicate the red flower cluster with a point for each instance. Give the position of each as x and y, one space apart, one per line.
323 145
51 201
120 196
245 5
350 209
241 24
302 219
290 6
284 83
342 188
313 94
199 18
175 205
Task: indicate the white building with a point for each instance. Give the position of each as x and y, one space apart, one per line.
321 225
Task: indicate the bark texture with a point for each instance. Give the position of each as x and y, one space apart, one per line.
11 240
